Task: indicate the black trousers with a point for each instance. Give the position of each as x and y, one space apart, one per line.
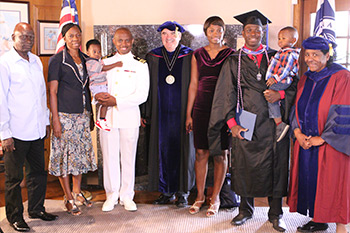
30 153
178 194
247 207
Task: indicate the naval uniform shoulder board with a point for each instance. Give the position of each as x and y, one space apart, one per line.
139 59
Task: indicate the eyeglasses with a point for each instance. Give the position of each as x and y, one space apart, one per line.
26 37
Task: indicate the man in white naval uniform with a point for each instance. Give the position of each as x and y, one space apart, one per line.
128 88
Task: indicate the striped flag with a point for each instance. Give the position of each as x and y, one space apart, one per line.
69 14
325 19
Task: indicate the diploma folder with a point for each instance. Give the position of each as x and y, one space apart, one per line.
246 120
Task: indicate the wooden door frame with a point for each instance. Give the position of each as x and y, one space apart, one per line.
301 16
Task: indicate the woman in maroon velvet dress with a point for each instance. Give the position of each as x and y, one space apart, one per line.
206 65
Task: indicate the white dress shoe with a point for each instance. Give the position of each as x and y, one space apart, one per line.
109 204
129 205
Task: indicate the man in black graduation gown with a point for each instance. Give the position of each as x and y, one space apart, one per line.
260 166
171 150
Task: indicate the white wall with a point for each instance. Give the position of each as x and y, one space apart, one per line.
137 12
133 12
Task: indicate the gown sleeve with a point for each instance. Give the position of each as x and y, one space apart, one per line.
146 107
337 128
223 107
289 100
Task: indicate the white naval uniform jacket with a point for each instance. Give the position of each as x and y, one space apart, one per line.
129 85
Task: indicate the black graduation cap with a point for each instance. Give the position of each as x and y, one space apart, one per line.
252 17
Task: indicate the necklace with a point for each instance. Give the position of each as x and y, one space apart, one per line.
255 59
170 79
239 88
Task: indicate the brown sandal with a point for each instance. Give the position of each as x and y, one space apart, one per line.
71 207
80 199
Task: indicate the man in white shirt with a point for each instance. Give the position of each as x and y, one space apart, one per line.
128 88
24 124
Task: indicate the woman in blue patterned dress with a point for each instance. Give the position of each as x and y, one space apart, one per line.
71 146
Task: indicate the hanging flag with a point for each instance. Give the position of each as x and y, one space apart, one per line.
325 19
69 14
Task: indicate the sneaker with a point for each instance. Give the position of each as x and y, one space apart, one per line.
102 124
281 131
109 204
129 205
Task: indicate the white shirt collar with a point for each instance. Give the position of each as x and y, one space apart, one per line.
125 56
16 57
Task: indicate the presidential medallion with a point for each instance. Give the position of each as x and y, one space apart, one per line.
170 63
170 79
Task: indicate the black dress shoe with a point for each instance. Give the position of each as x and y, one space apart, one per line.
278 224
313 226
181 201
43 216
20 226
240 219
163 199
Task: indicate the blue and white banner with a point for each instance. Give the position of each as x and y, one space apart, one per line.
325 19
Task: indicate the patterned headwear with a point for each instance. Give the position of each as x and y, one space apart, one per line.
172 26
319 43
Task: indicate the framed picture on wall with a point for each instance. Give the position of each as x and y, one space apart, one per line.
11 13
47 34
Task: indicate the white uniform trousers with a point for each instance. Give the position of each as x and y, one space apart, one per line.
119 154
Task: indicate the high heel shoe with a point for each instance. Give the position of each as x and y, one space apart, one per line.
80 199
213 209
71 207
195 208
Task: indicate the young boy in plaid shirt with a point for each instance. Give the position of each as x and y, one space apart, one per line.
283 67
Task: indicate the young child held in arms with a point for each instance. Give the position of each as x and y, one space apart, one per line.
98 77
283 68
